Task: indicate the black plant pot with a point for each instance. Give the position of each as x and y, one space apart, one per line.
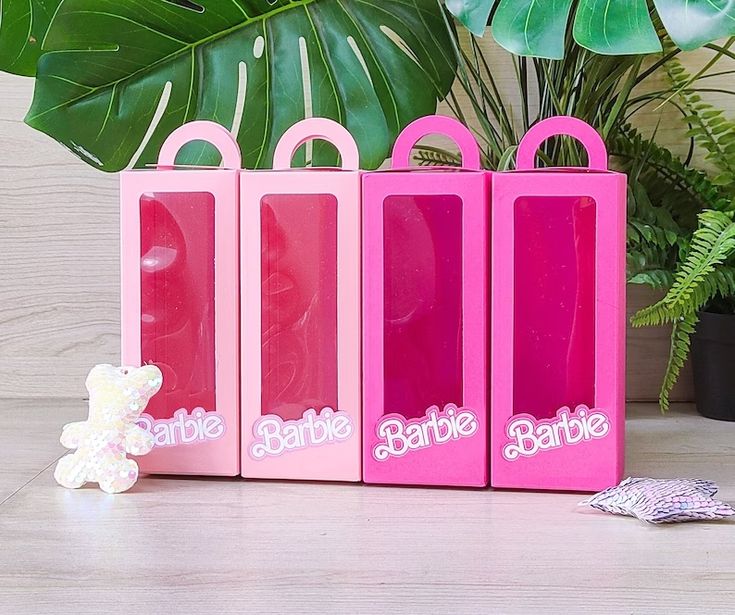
713 363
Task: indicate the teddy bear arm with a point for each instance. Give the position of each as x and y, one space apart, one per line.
138 441
72 434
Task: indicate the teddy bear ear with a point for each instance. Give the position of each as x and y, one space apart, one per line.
101 372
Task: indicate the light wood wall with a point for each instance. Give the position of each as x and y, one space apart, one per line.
59 269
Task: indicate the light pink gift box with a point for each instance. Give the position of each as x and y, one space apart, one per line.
558 319
180 282
424 316
300 250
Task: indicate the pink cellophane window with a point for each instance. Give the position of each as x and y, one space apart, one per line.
422 303
299 304
554 304
177 299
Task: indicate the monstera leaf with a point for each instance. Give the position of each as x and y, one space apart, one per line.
528 27
23 25
474 14
615 27
118 76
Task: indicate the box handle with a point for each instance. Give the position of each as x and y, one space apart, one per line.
562 125
317 128
201 130
439 125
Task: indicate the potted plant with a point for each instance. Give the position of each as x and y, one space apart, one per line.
700 306
698 267
700 280
681 234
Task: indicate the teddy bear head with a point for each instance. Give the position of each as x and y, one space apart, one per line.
121 393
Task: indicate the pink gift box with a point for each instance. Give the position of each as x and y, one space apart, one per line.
179 269
300 251
424 317
558 319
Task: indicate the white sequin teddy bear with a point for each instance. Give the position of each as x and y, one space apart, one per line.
117 397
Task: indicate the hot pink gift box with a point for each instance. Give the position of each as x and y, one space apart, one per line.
558 319
300 250
424 317
180 281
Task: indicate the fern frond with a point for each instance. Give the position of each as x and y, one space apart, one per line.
427 156
653 236
652 316
680 189
720 283
712 243
645 256
681 334
701 276
709 127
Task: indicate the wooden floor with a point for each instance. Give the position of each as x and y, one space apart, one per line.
229 546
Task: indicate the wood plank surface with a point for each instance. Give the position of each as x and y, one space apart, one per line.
59 270
231 546
29 439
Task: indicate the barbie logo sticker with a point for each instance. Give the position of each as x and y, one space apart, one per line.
274 436
530 436
400 436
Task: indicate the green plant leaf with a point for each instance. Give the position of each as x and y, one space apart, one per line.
708 126
472 14
699 277
430 156
616 27
23 24
532 27
693 23
119 77
655 278
681 335
681 190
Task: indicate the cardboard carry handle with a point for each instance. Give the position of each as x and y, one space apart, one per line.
439 125
559 126
317 128
211 132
